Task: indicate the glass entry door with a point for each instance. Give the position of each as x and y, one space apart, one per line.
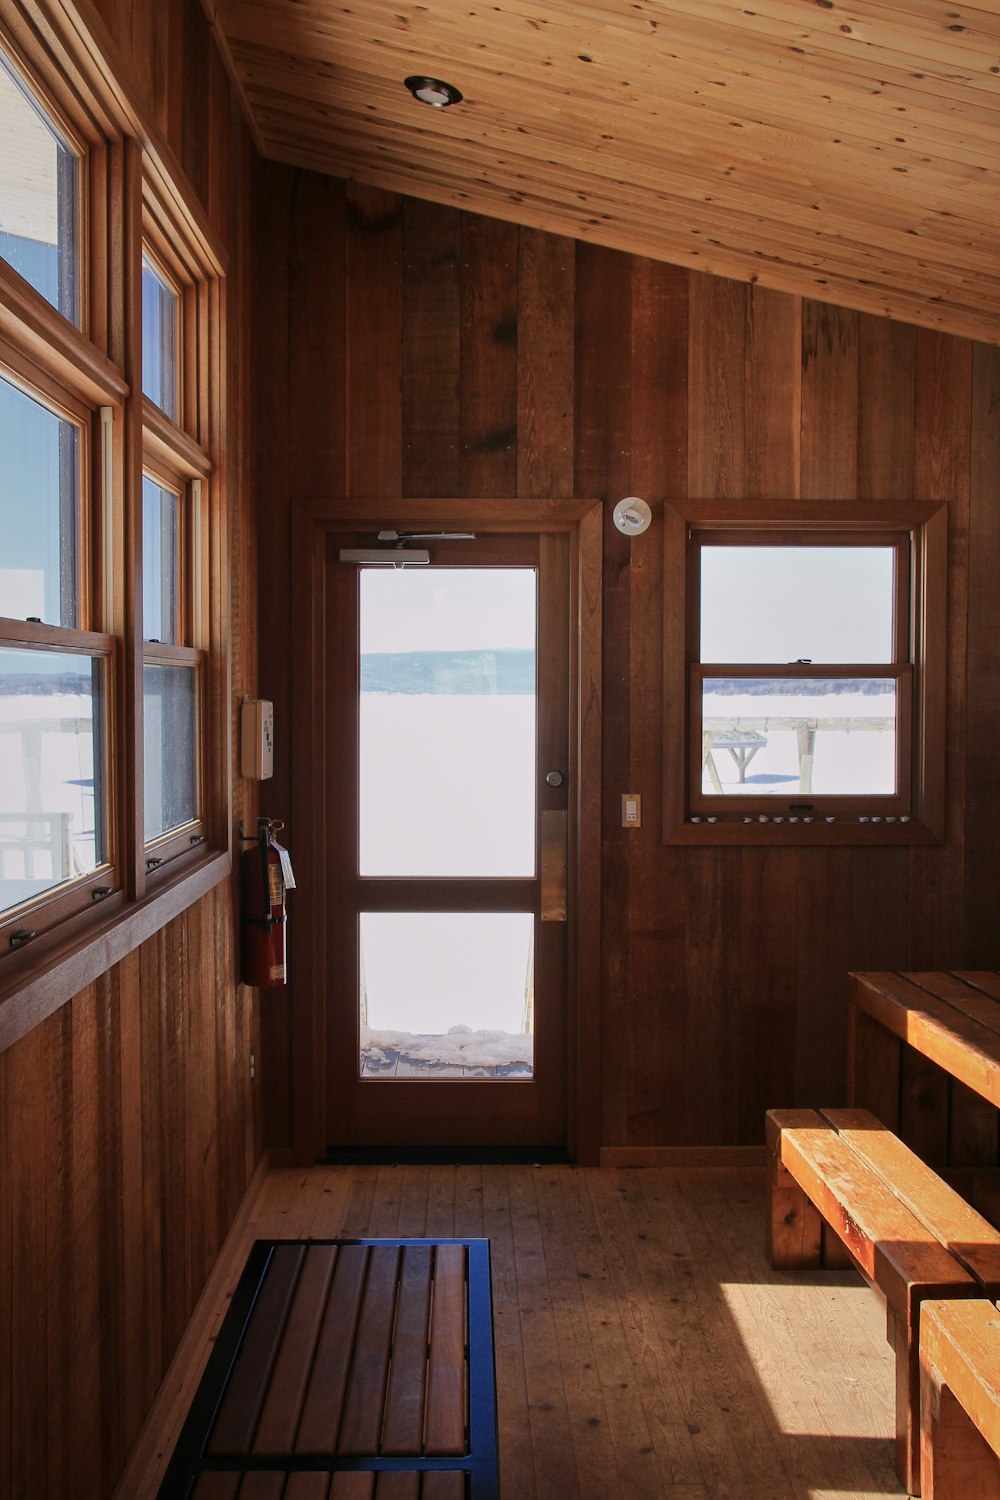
449 759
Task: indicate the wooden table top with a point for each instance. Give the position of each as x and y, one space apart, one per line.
952 1018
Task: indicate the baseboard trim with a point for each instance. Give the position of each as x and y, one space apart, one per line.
141 1476
701 1158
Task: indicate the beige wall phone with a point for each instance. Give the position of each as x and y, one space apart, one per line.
257 738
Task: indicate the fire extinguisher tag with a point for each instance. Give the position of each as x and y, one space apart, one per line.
286 866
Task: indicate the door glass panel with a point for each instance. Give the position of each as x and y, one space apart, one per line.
781 604
447 722
447 995
833 736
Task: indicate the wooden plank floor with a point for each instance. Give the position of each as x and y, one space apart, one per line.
644 1349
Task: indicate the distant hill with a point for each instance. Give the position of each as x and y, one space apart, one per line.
467 672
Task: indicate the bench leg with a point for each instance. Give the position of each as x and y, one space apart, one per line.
794 1226
904 1340
955 1459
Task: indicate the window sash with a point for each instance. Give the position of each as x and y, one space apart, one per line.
161 338
62 286
796 802
49 907
163 845
900 542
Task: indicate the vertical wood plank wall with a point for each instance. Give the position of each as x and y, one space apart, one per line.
128 1125
409 349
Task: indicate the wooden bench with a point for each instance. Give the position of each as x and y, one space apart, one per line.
348 1370
960 1400
924 1056
906 1230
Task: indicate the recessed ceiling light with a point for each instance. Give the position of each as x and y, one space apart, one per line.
433 91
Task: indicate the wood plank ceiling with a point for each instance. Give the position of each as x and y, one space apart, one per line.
842 149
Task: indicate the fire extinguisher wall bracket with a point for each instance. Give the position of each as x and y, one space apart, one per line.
263 916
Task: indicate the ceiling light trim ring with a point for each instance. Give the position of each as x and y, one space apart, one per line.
432 91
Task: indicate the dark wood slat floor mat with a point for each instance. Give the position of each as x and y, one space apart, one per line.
348 1370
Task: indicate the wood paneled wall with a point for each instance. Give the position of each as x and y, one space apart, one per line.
408 349
129 1127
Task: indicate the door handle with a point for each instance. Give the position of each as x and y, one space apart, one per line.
555 864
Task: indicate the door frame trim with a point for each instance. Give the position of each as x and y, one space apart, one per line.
311 522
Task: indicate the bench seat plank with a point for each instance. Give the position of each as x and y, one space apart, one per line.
324 1400
279 1419
234 1431
446 1371
960 1400
262 1485
959 990
310 1486
352 1487
963 1047
894 1249
361 1428
404 1402
217 1486
951 1220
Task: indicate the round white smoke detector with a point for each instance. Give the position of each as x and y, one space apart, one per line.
632 515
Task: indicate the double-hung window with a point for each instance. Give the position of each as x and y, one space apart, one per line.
175 491
59 660
804 664
113 667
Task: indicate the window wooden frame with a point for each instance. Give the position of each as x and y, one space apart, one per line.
914 811
129 193
179 453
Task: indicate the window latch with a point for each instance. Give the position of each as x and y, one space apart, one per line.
21 936
153 864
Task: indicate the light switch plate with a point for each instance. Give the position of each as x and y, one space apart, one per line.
631 810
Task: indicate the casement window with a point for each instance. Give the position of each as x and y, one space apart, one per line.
113 667
804 662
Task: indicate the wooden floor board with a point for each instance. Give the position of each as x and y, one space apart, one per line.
643 1345
826 1439
625 1358
693 1331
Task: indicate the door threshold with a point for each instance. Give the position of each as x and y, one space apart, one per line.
430 1156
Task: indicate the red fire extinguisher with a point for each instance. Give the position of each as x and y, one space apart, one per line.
265 876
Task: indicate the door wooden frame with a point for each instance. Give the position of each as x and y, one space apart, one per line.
311 522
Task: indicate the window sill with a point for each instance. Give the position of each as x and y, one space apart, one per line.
845 831
44 982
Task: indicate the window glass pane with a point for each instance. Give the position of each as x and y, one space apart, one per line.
170 767
38 192
159 340
39 466
782 604
447 995
51 798
447 720
160 520
784 736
